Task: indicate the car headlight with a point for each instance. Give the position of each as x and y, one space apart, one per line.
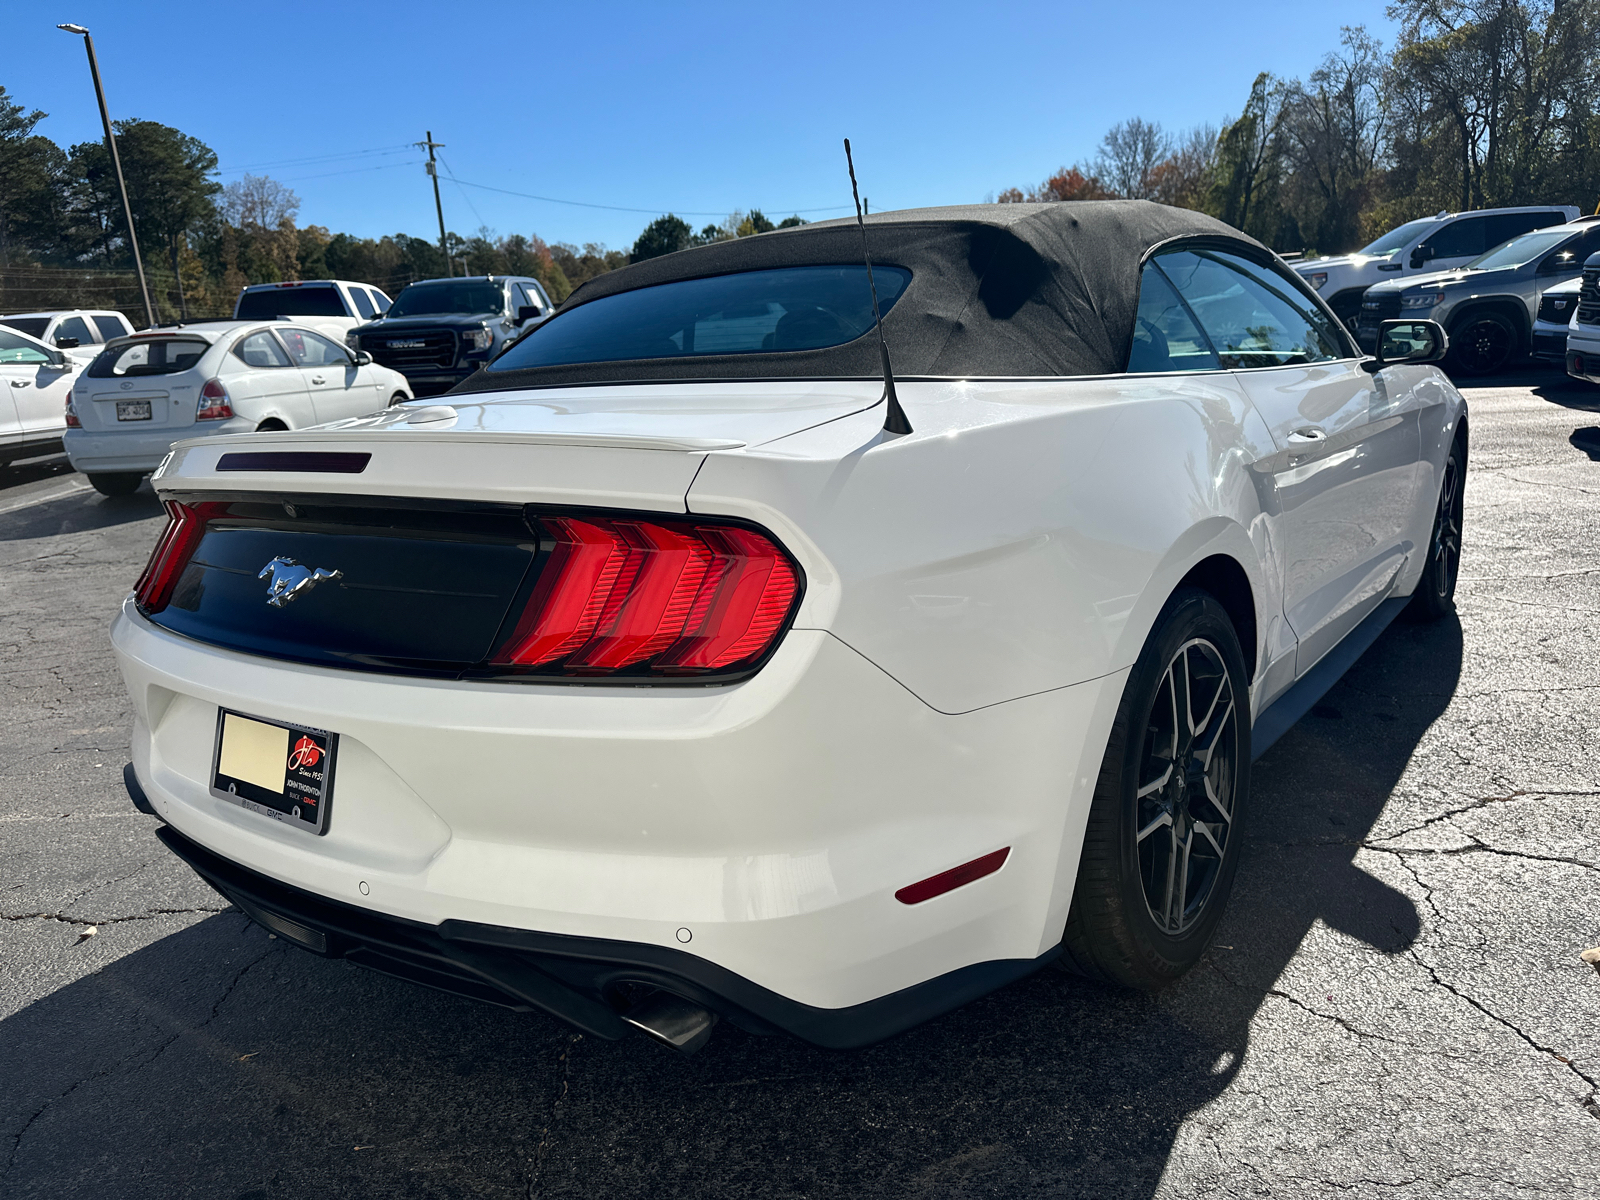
1317 280
479 339
1422 300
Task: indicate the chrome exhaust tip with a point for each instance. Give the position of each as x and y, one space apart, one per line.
672 1021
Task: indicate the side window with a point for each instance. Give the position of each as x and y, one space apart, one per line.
363 303
1462 239
312 349
14 349
1165 337
75 327
1569 259
381 300
1253 318
111 327
528 294
261 350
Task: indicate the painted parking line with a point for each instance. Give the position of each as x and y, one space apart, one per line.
59 493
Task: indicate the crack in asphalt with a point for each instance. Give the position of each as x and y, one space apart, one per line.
150 914
17 1138
1355 1030
1591 1103
1483 802
537 1166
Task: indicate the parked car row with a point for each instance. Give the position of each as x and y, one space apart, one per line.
81 332
1491 301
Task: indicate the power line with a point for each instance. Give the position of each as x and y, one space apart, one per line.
682 212
318 158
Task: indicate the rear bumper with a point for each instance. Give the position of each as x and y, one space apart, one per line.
761 828
142 451
1549 346
587 982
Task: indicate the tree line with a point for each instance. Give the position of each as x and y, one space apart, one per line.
1480 104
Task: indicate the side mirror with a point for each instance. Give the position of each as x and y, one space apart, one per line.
361 358
1420 256
1414 342
59 364
65 342
526 312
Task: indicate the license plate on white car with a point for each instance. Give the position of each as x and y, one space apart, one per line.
279 770
133 410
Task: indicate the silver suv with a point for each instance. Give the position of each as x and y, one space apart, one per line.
1488 306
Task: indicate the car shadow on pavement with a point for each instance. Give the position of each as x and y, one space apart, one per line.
77 512
217 1062
15 474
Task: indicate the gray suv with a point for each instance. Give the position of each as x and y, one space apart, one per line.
1488 306
439 331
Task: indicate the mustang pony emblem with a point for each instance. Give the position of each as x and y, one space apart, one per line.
289 579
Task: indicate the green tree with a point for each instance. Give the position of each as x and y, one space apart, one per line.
1249 164
756 222
30 183
664 235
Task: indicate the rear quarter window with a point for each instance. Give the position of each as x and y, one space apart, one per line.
160 356
312 300
112 327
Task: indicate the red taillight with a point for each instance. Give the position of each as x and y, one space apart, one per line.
72 416
186 525
214 404
684 598
949 881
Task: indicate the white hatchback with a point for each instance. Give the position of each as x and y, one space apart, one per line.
147 391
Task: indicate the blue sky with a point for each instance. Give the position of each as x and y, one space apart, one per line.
697 109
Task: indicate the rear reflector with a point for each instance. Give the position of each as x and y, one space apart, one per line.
297 460
948 881
675 597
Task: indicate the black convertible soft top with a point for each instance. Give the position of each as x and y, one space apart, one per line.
997 290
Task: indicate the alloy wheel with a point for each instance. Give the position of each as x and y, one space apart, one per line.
1447 530
1188 776
1485 346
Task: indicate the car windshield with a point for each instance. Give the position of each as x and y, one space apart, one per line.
159 356
1398 239
469 296
791 308
32 326
305 300
1519 250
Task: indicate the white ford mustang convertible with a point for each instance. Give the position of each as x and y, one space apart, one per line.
672 668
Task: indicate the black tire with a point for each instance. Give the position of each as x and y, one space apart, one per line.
272 425
1113 931
1435 597
118 483
1482 344
398 398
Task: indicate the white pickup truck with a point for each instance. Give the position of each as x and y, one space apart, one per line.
1431 244
333 306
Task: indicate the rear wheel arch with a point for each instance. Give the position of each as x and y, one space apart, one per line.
272 425
1226 580
1512 311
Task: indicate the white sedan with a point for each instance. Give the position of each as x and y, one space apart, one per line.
677 668
35 381
146 391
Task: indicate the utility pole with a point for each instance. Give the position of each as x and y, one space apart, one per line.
116 164
438 206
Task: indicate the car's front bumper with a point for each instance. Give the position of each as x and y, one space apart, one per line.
1582 354
761 829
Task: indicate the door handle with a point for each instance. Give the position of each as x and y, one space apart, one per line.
317 379
1308 436
20 382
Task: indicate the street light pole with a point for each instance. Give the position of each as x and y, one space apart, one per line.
116 165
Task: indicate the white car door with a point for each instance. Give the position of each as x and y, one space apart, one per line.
37 381
1345 465
269 387
337 387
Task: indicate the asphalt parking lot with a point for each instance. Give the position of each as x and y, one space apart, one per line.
1395 1005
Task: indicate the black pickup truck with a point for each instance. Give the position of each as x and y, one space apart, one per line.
439 331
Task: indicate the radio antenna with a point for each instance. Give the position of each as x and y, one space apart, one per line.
894 420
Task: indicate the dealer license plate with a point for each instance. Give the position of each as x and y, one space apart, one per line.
276 769
133 410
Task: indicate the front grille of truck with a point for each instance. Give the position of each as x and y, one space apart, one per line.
426 349
1589 298
1380 308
